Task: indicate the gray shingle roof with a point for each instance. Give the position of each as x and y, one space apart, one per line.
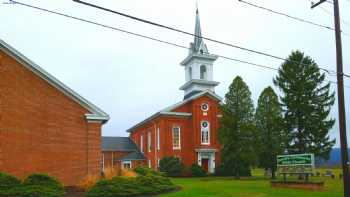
135 155
118 144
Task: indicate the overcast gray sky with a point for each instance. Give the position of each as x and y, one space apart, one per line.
131 78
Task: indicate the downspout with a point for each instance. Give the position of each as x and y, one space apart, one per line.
155 144
87 147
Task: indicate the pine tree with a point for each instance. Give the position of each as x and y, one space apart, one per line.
271 138
307 101
236 132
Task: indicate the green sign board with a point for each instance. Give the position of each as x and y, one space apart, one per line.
296 164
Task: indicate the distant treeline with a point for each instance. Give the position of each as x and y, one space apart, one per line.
334 159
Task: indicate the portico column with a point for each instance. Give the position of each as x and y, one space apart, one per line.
212 160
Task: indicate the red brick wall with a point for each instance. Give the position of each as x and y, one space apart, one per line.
107 156
190 132
42 130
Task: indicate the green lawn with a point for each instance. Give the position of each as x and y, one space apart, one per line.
257 186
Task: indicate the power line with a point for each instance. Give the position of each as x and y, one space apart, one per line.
146 37
191 34
291 17
287 15
331 14
135 34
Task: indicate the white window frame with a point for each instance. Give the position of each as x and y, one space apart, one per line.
149 141
205 130
141 143
158 138
179 129
127 162
149 164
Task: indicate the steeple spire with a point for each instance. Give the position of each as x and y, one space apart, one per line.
198 65
197 32
198 44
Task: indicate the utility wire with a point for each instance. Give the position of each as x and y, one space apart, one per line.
135 34
287 15
191 34
331 14
146 37
291 17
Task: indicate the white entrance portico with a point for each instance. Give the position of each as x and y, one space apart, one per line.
206 159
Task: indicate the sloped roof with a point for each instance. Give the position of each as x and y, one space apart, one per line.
124 144
96 113
168 111
135 155
118 144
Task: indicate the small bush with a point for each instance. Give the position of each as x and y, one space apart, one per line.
147 171
172 166
118 186
41 185
197 171
88 182
130 186
9 185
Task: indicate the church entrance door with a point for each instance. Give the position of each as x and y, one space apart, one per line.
205 164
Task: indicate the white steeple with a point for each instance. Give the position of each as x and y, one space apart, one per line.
198 65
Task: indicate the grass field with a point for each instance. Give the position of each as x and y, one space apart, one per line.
257 186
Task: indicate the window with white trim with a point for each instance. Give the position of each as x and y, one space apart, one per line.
141 143
126 165
149 141
205 132
176 137
158 138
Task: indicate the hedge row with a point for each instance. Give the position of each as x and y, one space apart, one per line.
148 182
35 185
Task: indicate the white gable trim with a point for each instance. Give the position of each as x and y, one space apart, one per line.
168 111
96 113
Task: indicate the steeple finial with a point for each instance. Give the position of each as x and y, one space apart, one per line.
197 32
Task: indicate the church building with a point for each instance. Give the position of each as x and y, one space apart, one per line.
188 129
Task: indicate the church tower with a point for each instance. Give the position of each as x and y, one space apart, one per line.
198 66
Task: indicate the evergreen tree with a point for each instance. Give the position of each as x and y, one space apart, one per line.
307 101
236 133
271 138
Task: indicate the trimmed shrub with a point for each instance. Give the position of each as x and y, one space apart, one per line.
154 184
172 166
130 186
144 171
197 171
41 185
9 185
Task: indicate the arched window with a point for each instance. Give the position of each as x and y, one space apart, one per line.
205 132
190 72
203 71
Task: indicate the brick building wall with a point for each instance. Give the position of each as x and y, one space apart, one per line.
42 129
109 156
190 133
